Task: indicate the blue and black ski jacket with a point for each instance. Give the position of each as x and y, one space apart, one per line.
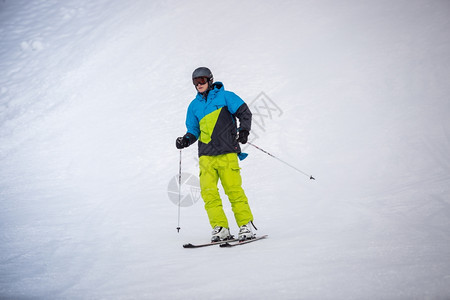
212 121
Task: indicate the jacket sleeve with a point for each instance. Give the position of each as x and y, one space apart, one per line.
239 108
245 117
192 123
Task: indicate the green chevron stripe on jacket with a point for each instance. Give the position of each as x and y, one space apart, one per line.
207 125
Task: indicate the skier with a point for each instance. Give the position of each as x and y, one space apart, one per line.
211 119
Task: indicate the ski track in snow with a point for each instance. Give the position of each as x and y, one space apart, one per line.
94 93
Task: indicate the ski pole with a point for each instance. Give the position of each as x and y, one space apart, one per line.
310 176
179 194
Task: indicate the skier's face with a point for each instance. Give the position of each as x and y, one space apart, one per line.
202 87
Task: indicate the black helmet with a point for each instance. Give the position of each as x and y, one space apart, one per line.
202 72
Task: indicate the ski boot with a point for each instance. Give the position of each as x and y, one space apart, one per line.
220 234
245 232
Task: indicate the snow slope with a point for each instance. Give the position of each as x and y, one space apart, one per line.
94 93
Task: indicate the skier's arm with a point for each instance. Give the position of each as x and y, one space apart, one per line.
245 117
240 109
193 131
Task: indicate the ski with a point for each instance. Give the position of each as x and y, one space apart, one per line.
189 245
229 244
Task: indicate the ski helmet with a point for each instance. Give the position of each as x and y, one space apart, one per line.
203 72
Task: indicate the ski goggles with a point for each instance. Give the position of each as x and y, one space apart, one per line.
200 80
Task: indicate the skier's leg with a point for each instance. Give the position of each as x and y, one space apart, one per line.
210 193
230 177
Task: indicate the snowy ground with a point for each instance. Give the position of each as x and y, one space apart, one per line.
94 93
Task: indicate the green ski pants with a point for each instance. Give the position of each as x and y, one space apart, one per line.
226 168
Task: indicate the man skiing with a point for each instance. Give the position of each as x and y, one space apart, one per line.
211 119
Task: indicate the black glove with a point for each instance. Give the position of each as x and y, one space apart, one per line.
185 141
243 136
